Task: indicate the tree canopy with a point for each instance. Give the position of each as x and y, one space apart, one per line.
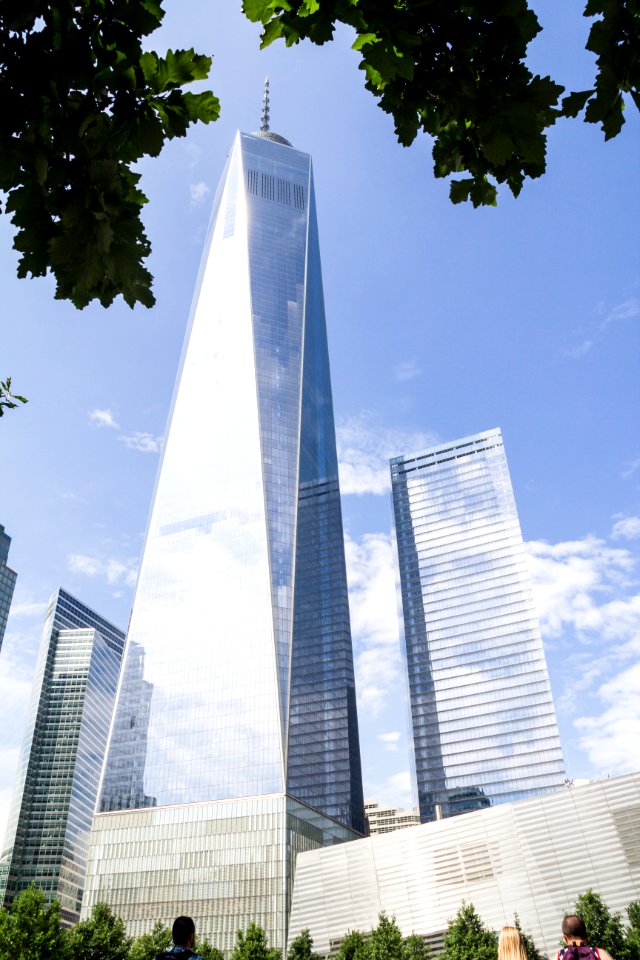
467 937
31 929
457 71
607 929
82 102
101 937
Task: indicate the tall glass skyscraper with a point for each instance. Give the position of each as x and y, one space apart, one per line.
246 747
59 770
484 724
7 581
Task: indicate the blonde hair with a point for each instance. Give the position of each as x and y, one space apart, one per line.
510 945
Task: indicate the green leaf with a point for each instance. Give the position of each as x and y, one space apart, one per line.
573 104
498 149
459 190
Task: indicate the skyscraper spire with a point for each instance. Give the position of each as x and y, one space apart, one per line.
264 119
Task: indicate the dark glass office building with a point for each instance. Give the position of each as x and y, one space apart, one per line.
7 581
239 647
59 770
484 723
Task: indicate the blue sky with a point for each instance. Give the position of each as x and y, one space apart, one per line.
443 321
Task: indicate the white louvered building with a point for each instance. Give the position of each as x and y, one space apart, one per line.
533 858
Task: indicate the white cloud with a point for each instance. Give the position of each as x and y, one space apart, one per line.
627 528
630 469
79 563
199 193
610 739
395 791
27 607
406 370
624 311
575 582
193 152
102 418
115 572
364 450
374 620
143 442
589 602
16 679
390 740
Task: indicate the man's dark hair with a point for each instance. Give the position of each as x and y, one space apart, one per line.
181 930
574 928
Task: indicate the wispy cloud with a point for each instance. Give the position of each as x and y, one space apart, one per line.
630 469
27 608
608 737
406 370
626 528
628 310
16 679
374 620
142 442
102 418
199 193
364 451
193 152
588 596
394 791
116 572
582 585
390 740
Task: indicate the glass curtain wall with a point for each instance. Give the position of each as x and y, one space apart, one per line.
59 771
484 725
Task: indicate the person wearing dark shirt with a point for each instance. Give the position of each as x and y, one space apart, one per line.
183 934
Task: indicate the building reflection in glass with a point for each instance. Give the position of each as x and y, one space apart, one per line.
239 644
484 725
63 751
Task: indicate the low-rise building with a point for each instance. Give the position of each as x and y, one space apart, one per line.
533 857
382 819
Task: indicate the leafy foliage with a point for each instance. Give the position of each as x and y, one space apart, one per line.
456 70
301 947
82 102
633 931
385 941
604 929
415 948
149 945
31 929
467 938
207 950
530 948
615 39
253 945
9 400
353 946
101 937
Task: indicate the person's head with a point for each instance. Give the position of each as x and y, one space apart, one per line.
510 945
573 929
183 932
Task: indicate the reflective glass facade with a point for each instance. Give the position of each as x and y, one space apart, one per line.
7 581
533 858
226 863
238 678
484 725
59 771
